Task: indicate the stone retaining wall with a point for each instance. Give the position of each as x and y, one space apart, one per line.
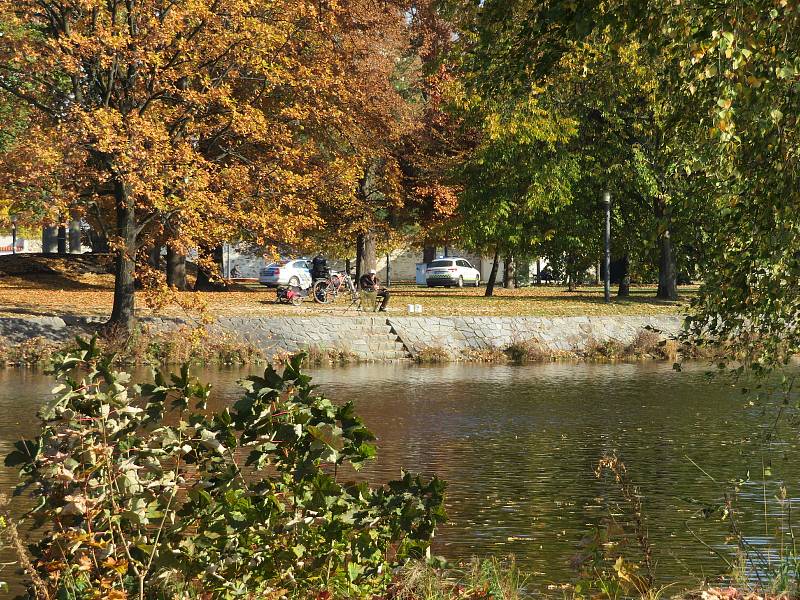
368 338
556 334
385 338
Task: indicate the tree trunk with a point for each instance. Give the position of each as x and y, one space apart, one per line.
49 239
98 241
176 269
508 271
365 242
359 256
495 266
154 257
572 278
123 314
62 239
74 236
428 254
624 278
367 259
667 269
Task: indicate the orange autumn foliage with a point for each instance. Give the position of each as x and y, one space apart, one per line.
209 120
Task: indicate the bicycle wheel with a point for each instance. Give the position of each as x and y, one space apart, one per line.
323 292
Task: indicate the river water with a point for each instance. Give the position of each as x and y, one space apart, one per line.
519 446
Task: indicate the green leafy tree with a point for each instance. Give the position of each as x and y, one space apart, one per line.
738 63
626 127
517 172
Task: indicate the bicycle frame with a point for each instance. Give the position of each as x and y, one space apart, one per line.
333 286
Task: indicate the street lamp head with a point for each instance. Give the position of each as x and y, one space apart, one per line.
13 218
606 197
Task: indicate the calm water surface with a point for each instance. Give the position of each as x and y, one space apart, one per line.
519 445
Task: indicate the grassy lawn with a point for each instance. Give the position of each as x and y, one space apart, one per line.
82 286
64 294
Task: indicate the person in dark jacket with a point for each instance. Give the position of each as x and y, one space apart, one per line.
369 283
319 267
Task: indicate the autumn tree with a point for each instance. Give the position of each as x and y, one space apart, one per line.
199 117
399 135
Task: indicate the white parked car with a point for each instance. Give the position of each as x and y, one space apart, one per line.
287 273
451 272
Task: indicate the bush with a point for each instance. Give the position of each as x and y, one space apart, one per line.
336 357
522 351
33 351
607 350
650 344
144 494
433 355
178 346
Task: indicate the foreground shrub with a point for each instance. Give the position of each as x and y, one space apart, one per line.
144 494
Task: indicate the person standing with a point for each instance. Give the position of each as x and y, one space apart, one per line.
369 283
319 267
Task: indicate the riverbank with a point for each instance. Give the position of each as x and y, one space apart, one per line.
337 340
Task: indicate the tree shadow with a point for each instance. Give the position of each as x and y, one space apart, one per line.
50 281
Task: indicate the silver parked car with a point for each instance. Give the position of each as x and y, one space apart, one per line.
287 273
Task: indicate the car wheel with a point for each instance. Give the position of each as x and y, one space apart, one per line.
294 281
460 282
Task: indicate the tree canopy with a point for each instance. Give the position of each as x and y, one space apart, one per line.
495 125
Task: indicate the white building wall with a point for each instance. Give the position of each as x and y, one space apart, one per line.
242 256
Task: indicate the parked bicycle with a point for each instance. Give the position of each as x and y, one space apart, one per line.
326 290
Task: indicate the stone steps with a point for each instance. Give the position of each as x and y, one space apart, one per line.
375 341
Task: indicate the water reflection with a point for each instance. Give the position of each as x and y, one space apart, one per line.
519 446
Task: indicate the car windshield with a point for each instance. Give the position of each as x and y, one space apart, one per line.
441 263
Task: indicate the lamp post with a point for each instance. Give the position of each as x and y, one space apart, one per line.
13 234
607 256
